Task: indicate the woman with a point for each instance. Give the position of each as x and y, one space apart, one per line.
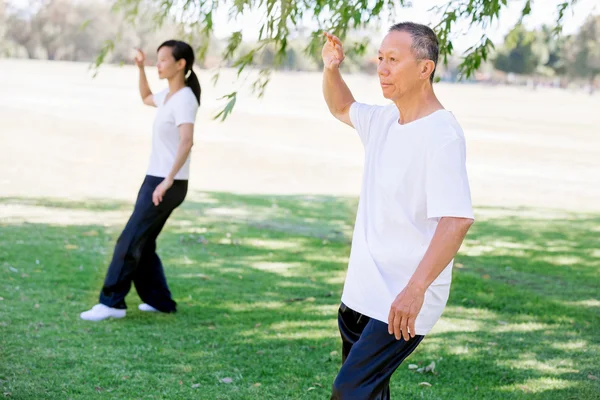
164 188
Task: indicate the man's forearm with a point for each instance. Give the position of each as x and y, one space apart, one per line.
337 94
446 241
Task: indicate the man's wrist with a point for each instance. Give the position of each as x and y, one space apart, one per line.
333 68
417 285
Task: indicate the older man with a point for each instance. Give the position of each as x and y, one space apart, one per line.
414 210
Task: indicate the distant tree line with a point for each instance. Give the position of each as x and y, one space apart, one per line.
81 30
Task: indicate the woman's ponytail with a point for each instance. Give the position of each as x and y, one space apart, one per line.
194 84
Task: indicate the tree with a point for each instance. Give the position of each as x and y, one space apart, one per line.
554 44
3 23
19 28
283 18
518 55
538 52
53 27
583 51
76 31
54 24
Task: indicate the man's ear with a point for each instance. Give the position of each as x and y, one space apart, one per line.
427 68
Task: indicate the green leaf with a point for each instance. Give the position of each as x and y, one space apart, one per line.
84 25
107 48
232 44
228 107
215 78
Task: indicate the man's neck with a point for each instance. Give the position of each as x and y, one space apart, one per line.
416 105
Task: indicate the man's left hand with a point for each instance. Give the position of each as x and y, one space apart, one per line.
160 191
404 311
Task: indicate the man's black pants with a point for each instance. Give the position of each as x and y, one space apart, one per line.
370 355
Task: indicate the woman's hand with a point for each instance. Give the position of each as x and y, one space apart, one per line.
140 58
160 191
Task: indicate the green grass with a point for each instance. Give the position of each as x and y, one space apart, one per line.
258 281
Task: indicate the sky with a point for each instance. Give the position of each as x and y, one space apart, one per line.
543 12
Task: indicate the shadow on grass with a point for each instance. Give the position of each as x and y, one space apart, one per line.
258 280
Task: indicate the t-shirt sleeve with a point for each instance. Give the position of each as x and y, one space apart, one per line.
159 97
362 117
185 111
447 183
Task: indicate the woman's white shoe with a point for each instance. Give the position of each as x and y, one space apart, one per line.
147 308
100 312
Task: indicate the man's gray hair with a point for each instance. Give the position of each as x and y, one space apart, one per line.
425 45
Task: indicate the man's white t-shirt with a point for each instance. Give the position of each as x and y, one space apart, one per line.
180 108
414 174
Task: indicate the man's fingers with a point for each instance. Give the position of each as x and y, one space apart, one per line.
411 326
404 328
391 321
397 321
331 36
333 39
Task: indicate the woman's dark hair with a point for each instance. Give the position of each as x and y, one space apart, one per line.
183 50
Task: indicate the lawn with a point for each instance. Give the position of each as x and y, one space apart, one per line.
258 281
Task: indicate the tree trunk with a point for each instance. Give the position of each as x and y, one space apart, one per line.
30 52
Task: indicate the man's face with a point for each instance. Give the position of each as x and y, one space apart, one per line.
399 71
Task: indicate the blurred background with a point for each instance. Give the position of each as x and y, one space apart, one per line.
528 111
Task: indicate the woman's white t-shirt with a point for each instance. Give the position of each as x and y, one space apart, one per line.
414 175
180 108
